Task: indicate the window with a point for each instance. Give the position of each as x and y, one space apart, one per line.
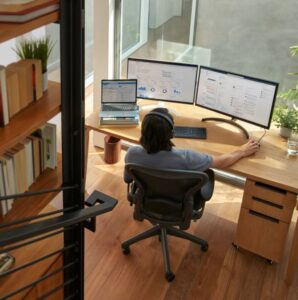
247 37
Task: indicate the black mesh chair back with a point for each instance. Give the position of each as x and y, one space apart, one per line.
165 195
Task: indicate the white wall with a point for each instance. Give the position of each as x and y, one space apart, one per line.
103 57
160 11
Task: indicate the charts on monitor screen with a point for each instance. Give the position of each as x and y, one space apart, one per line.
240 97
166 81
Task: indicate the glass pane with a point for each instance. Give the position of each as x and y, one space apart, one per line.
168 30
249 37
130 24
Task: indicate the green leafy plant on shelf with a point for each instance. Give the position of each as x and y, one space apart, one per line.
35 49
285 114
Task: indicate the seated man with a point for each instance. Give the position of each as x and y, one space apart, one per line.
158 151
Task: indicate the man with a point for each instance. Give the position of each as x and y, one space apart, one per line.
158 151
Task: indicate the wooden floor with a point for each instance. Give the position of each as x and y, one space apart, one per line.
220 273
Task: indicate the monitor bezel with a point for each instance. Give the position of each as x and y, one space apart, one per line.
245 77
111 80
168 63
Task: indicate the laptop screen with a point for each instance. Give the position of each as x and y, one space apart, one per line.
119 91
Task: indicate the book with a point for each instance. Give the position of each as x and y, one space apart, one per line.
6 183
13 95
36 155
20 12
3 203
29 161
18 157
24 70
11 175
36 78
4 114
50 145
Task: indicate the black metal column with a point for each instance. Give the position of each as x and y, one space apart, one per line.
72 95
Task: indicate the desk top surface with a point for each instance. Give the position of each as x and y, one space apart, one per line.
271 165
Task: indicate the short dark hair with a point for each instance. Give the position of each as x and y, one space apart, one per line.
157 132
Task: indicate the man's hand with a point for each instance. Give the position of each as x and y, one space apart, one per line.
250 148
228 159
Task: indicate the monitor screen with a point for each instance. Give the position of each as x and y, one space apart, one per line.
240 97
166 81
118 91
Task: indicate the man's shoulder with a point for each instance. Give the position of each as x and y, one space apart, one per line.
135 149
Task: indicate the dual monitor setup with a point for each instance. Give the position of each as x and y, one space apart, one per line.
237 96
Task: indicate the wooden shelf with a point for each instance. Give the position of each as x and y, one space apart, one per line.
11 30
31 206
31 118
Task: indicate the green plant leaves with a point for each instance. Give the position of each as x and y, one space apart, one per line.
35 49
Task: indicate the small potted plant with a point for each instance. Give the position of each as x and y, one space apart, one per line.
286 118
285 114
37 49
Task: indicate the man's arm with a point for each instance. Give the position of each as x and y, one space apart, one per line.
228 159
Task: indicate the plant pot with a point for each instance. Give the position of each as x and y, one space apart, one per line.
44 81
285 132
112 149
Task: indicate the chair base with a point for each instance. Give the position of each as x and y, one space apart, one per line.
162 232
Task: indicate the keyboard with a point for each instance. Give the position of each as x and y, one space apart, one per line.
190 132
119 107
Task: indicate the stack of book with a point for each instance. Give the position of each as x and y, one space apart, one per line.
20 11
20 85
21 165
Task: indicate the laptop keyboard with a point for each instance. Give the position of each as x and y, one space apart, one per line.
190 132
119 107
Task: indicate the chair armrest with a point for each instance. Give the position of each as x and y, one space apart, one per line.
131 190
206 191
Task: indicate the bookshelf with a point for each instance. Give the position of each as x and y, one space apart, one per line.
20 126
31 118
12 30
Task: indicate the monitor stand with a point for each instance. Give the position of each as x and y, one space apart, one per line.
232 121
148 107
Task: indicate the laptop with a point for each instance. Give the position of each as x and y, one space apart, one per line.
119 98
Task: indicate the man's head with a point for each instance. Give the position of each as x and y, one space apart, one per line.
157 131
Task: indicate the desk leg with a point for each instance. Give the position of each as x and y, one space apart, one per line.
293 258
87 133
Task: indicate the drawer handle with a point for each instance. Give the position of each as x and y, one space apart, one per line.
267 202
270 187
257 214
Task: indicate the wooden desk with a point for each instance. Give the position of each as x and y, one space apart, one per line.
272 178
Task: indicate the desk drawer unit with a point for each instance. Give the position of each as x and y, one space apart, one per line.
264 219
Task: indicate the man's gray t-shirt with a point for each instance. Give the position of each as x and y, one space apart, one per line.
182 159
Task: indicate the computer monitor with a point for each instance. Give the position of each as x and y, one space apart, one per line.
118 91
240 97
165 81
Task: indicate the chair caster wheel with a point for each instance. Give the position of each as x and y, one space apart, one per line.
270 262
125 250
235 246
170 276
204 247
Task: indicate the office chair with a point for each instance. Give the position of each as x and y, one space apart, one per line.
166 199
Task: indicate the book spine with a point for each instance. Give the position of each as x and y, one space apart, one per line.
4 100
3 203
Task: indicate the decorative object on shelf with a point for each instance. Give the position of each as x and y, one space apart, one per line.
20 11
285 113
6 261
37 49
